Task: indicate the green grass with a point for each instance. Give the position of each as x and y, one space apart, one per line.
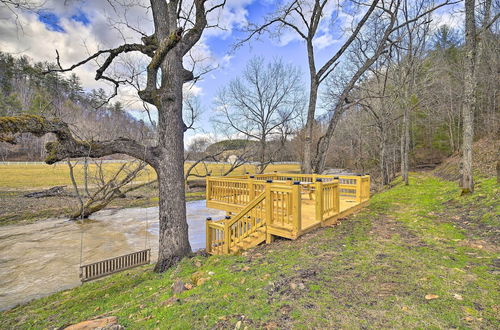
371 271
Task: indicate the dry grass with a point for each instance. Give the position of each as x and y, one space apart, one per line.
24 177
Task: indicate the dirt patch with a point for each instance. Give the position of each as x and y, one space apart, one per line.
480 234
385 228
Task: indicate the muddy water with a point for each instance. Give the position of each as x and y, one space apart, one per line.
44 257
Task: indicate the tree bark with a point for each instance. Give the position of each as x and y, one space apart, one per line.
309 129
405 144
467 181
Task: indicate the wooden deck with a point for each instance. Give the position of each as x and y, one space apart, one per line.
287 205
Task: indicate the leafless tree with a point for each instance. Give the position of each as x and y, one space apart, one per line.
262 103
304 18
107 186
178 26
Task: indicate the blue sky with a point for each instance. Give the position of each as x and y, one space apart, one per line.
78 28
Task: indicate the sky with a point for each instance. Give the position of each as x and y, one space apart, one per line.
78 28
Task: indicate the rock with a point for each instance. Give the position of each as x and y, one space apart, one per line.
196 276
178 287
110 322
211 273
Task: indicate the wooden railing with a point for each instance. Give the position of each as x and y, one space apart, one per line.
327 199
279 206
109 266
275 200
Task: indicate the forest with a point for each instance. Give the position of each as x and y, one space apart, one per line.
428 83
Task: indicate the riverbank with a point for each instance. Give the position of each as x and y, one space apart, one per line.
18 179
419 256
17 209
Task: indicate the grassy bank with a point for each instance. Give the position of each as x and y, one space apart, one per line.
419 256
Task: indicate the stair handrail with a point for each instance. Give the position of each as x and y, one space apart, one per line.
249 207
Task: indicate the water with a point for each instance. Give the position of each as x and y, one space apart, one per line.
44 257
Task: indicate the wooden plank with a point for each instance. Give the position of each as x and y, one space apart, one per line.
113 265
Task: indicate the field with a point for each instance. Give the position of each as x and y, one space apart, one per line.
419 256
25 177
16 180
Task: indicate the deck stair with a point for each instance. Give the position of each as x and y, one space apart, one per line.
262 207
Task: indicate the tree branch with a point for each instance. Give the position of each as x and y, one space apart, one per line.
66 145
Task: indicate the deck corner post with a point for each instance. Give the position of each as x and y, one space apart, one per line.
297 206
359 189
366 188
319 200
208 234
227 236
208 188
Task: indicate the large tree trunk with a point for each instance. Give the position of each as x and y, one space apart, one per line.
309 130
467 181
173 235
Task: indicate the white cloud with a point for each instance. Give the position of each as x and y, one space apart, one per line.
324 41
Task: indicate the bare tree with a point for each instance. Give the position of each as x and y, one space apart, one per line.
178 25
107 186
262 103
304 18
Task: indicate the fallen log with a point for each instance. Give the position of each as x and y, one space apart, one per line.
54 191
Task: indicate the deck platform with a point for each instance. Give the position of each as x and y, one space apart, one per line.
259 207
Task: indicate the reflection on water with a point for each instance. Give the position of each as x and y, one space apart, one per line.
42 258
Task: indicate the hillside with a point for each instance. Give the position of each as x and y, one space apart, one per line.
418 256
486 154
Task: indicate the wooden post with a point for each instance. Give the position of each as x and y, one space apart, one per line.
366 188
297 207
227 235
358 189
290 199
208 234
269 209
319 199
336 200
251 190
208 187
